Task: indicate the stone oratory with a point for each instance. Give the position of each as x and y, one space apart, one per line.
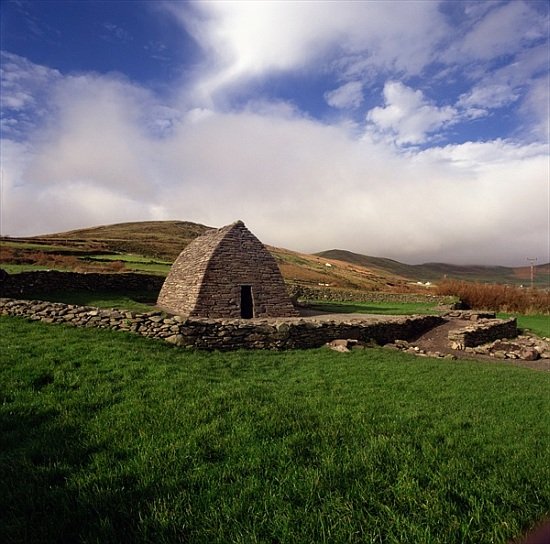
226 273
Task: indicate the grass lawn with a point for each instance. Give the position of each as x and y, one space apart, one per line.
539 324
109 437
385 308
137 302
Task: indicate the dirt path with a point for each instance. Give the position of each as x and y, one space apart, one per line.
436 340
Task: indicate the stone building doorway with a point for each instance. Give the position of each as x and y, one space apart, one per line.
247 302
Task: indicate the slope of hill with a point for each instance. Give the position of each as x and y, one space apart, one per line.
162 241
438 271
158 239
313 270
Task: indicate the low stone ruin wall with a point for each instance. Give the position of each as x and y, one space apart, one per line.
483 332
349 295
27 284
470 315
275 334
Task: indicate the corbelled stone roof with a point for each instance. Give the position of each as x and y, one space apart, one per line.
207 278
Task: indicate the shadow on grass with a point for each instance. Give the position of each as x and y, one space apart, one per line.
56 491
335 308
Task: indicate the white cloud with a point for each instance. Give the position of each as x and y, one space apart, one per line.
508 84
489 96
349 95
251 39
98 136
23 93
536 111
84 149
503 30
407 116
296 182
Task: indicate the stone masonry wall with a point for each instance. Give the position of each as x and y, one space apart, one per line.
241 259
273 334
206 279
483 332
28 283
333 294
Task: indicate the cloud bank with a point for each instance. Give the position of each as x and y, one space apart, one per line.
84 149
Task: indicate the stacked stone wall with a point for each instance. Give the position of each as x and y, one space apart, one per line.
45 281
306 293
230 334
483 332
29 283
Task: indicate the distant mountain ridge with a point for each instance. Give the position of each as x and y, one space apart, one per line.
437 271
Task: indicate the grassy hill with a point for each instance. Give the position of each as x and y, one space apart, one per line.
317 270
437 271
151 246
158 239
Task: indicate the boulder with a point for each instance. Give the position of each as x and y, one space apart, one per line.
528 354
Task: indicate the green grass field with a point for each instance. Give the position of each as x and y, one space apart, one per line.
17 268
538 324
109 437
384 308
133 301
30 245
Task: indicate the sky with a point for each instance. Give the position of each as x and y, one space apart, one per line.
414 130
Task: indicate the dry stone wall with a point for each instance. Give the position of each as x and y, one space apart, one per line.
331 294
483 332
29 283
222 334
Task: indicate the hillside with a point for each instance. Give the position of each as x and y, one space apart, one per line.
314 270
157 239
150 246
437 271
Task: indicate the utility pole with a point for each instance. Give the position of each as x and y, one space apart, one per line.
532 261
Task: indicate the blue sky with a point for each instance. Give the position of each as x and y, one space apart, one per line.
416 130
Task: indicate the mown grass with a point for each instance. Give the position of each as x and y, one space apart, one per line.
107 437
384 308
30 245
538 324
148 268
133 301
